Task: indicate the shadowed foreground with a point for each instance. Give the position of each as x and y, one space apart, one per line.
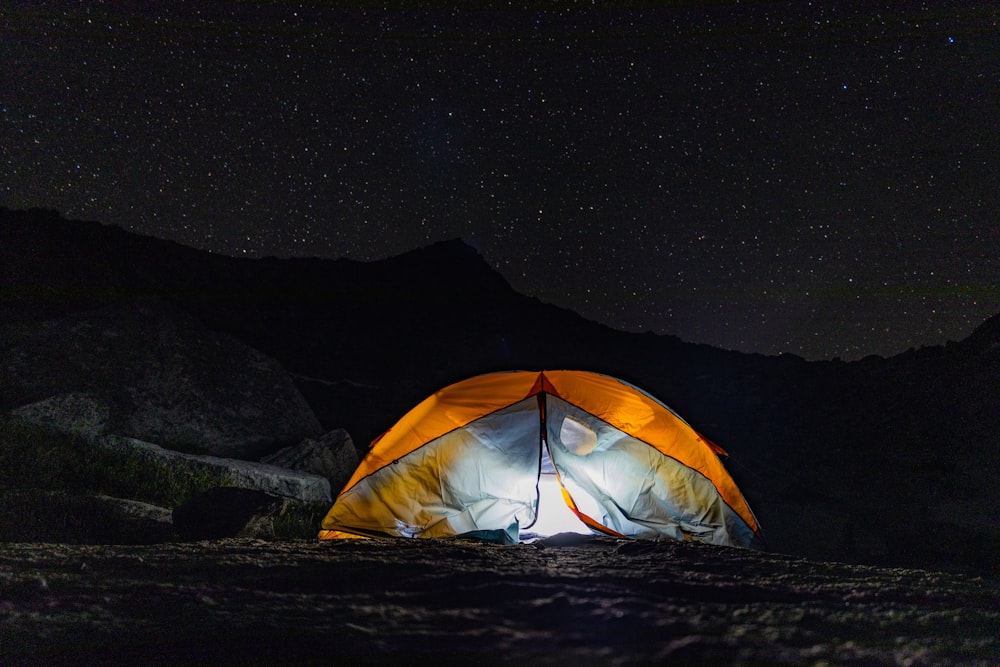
565 600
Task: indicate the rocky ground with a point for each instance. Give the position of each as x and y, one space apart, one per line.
564 600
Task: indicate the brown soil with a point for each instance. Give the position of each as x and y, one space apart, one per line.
566 600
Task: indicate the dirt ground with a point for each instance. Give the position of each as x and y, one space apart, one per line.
566 600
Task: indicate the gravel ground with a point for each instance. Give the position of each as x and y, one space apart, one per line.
566 600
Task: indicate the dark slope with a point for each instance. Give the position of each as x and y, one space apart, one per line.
882 460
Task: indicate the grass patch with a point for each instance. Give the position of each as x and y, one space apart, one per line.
300 521
34 457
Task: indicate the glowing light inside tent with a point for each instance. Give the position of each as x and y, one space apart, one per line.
553 514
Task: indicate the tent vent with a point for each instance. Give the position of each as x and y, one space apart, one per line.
577 437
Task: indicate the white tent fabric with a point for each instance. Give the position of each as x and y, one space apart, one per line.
641 492
477 478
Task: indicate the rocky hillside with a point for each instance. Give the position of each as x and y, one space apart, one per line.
884 460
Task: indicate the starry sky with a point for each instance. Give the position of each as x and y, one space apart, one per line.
820 178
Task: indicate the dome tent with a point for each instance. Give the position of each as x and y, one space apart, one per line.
469 461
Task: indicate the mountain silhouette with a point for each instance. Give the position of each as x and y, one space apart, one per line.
884 460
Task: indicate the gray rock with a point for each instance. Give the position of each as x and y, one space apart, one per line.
79 413
333 456
163 376
227 512
293 484
29 515
134 509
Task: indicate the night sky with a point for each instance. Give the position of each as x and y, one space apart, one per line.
817 178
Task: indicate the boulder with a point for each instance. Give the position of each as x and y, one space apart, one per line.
228 512
332 456
294 484
29 515
162 376
79 413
